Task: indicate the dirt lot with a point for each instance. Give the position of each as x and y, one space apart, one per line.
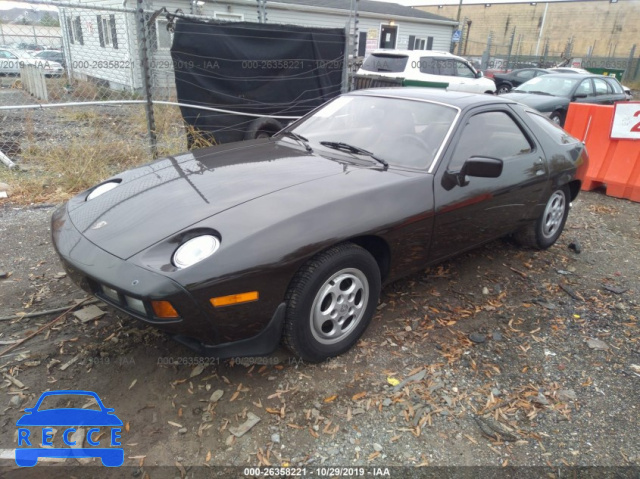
501 357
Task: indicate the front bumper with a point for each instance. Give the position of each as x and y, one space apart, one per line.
125 286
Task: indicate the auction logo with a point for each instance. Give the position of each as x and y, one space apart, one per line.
79 424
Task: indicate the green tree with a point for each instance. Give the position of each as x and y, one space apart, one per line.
49 20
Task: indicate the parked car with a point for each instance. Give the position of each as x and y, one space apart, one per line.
50 55
552 93
433 68
582 71
505 82
233 248
11 61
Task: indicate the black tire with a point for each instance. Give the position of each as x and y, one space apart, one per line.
503 88
262 128
547 229
319 324
557 117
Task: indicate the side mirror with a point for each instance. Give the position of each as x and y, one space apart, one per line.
482 167
477 166
580 95
479 74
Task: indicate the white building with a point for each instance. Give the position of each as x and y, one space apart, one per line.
103 45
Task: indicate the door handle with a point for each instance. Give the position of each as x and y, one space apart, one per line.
539 167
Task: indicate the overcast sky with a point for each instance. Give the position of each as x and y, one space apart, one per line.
7 5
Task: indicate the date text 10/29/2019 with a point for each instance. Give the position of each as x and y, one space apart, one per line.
321 472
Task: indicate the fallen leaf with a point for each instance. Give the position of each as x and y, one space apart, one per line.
360 395
330 398
133 383
197 370
393 381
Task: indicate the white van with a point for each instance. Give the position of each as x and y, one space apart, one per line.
427 68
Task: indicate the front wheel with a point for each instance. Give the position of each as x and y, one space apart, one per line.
547 229
330 302
557 117
503 88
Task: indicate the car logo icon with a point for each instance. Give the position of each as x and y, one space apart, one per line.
69 419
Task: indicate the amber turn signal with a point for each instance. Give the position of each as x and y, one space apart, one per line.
164 309
234 299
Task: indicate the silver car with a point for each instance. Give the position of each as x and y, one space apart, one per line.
11 62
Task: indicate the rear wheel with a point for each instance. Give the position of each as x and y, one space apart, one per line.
547 229
330 302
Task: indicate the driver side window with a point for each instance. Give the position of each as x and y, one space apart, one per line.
492 134
585 88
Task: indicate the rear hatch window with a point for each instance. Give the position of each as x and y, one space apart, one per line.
385 63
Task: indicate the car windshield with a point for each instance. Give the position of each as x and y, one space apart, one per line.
385 63
549 85
406 133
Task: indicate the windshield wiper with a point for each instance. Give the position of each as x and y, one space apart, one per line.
301 139
338 145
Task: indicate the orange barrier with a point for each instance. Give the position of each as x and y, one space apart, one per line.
614 164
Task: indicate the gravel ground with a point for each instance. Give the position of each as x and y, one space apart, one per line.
500 358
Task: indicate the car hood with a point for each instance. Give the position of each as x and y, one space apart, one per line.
539 102
167 196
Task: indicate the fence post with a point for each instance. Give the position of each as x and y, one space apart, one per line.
513 36
143 42
486 56
462 34
627 71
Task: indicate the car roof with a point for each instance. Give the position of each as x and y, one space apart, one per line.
577 77
414 53
454 98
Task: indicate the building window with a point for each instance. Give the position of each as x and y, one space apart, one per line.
77 31
229 17
107 31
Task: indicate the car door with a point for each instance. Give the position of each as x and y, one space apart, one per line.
523 76
604 92
584 92
466 78
487 208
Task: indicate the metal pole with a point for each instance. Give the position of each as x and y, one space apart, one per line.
453 45
466 40
513 36
487 53
544 17
462 33
627 71
345 61
143 42
356 20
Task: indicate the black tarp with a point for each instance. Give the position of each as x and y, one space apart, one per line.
258 68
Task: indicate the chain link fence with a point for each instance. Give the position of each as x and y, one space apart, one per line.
515 53
90 93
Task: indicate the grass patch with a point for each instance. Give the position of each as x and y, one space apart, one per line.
103 142
54 174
